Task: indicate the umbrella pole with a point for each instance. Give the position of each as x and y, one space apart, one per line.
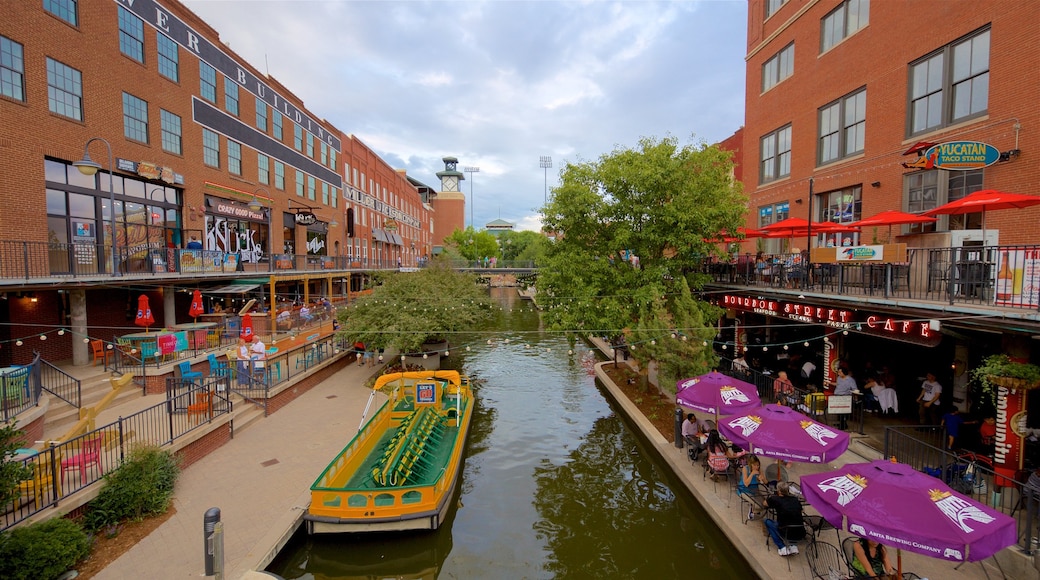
899 562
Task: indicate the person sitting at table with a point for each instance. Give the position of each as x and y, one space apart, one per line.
782 388
750 476
871 559
871 389
719 454
305 314
788 512
690 436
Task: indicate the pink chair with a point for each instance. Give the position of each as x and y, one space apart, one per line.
90 453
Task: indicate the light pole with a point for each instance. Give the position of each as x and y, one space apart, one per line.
471 171
255 205
88 166
545 162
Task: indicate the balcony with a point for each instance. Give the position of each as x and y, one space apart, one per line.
28 262
992 276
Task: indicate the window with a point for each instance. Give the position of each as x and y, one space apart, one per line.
776 155
843 21
310 145
261 115
171 131
298 138
276 123
778 68
842 127
770 214
842 206
324 193
772 6
950 85
230 96
279 175
299 183
210 148
64 90
169 58
12 69
310 187
324 154
263 173
234 157
335 197
927 190
64 9
135 118
332 158
131 35
208 82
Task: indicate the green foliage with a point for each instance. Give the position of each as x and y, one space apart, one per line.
142 486
11 472
658 202
473 245
523 246
411 308
987 377
42 551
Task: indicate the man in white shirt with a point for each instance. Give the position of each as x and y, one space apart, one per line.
258 354
808 369
928 407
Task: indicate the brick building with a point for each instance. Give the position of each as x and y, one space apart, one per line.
202 145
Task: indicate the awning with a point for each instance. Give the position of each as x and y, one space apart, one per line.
395 239
379 236
231 289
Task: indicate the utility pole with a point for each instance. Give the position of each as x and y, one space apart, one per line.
545 162
471 171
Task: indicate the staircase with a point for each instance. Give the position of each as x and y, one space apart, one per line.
95 385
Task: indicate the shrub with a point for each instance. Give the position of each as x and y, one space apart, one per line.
142 486
42 551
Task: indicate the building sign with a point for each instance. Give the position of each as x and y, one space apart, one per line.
861 254
915 330
178 31
149 170
1011 431
957 156
226 207
306 218
1018 278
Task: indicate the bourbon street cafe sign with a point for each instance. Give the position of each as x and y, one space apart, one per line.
906 330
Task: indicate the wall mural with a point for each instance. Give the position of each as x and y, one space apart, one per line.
233 236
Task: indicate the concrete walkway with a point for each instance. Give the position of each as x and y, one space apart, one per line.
260 481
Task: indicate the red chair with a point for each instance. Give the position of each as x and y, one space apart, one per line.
90 454
97 348
203 406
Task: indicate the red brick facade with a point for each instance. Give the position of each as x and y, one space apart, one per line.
877 57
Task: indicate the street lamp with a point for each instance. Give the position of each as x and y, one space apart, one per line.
255 205
545 162
88 166
471 171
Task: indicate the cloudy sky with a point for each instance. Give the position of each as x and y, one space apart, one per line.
498 84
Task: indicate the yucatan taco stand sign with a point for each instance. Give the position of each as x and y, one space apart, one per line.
962 155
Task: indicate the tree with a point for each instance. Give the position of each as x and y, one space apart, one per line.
407 309
11 472
631 230
522 246
473 245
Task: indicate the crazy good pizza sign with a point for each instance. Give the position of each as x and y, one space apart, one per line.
908 330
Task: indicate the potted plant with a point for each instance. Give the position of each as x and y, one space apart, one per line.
1000 371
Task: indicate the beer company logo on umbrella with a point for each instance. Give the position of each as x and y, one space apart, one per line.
847 486
247 327
732 394
196 305
144 312
959 509
747 424
818 432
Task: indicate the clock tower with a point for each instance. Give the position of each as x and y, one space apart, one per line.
449 204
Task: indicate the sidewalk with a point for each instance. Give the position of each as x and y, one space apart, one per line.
260 481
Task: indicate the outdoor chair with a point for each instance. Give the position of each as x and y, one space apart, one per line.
827 562
216 367
15 387
792 536
818 525
43 487
184 368
97 348
89 454
202 407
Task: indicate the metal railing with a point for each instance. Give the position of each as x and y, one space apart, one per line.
20 388
61 384
969 473
992 275
64 468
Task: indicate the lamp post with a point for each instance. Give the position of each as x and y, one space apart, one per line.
471 171
88 166
545 162
255 205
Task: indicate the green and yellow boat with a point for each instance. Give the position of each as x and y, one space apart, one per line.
400 471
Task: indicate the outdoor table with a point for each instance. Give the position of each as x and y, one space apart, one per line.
197 332
146 343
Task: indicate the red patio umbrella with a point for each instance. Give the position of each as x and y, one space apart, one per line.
981 201
196 305
892 218
144 313
247 327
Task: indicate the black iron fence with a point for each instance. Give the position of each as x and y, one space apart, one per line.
61 469
60 384
19 388
993 275
972 474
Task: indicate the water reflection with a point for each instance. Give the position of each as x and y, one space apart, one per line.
555 485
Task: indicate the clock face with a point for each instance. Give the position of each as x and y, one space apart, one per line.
451 184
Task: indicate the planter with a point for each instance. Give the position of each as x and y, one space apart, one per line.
430 363
435 347
1012 383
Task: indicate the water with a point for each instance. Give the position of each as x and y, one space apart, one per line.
555 484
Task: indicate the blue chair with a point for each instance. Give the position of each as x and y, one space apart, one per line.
217 368
186 373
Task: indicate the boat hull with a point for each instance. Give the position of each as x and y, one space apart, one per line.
400 472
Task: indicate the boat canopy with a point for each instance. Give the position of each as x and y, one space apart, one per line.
450 376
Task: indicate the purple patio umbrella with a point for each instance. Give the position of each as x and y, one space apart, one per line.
717 393
898 506
783 433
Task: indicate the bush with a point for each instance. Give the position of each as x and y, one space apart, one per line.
42 551
142 486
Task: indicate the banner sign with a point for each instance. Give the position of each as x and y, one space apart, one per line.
861 254
1011 432
1018 278
425 393
172 342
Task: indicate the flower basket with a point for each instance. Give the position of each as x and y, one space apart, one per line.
1012 382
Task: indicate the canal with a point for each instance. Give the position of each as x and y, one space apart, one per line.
556 484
